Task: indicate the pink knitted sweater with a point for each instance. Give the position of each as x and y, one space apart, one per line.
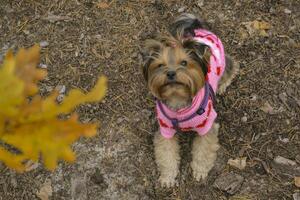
199 123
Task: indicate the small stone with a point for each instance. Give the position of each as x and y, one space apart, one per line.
61 89
286 167
44 44
253 97
287 11
296 196
284 161
43 66
284 140
46 190
60 98
244 119
182 9
229 182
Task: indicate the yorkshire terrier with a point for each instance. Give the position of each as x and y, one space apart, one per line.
184 69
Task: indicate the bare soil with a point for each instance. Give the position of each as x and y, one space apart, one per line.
86 39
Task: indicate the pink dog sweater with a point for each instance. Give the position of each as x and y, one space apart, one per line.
190 119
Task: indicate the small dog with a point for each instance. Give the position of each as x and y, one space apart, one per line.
183 71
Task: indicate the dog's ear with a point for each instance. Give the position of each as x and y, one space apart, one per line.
199 52
151 49
185 25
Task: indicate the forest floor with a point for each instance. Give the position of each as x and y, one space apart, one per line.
259 114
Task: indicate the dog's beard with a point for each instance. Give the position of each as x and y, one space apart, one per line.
175 94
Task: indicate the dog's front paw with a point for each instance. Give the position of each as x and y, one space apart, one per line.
167 180
199 173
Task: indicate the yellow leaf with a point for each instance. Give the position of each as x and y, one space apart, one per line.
11 88
12 160
26 62
34 127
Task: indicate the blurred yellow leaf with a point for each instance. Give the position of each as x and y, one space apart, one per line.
33 127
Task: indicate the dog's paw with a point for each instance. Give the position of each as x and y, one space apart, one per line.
167 180
200 175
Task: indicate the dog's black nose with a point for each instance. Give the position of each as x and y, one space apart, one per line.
171 75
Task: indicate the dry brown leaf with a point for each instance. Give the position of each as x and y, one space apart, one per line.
257 27
239 163
267 108
45 191
297 181
102 5
261 25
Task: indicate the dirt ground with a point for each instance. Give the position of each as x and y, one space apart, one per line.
259 114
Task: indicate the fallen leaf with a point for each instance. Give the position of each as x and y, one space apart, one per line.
261 25
257 27
45 191
239 163
103 5
267 108
297 181
33 127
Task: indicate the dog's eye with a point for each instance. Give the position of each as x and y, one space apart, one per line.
183 63
160 65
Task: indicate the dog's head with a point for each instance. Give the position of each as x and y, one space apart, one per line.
175 68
